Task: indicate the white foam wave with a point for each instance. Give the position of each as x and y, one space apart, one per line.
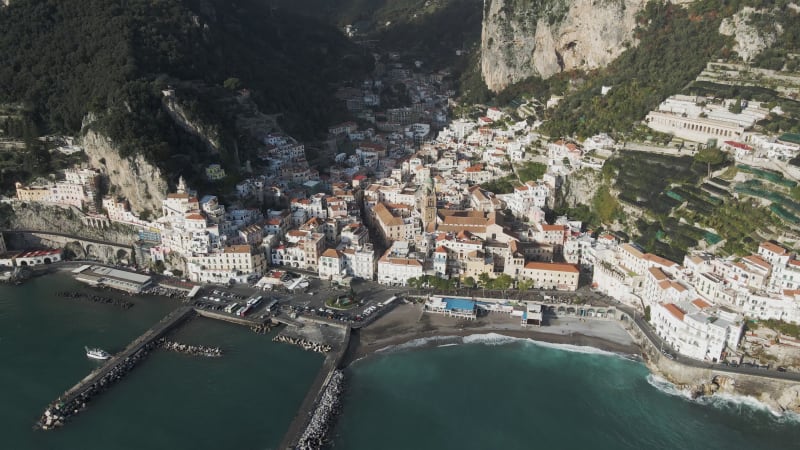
730 402
574 348
446 345
420 342
489 339
743 403
667 387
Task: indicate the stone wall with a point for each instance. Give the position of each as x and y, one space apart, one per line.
779 395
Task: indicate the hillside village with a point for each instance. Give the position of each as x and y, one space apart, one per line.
410 198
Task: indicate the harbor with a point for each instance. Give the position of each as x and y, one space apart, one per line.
311 424
76 399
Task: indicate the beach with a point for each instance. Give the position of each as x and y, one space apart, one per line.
408 322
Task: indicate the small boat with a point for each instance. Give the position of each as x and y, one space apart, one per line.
96 353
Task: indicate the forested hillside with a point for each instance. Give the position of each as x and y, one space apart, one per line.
61 59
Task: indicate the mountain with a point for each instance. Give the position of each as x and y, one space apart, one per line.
523 38
67 63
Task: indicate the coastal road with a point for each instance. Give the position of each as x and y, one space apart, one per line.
659 343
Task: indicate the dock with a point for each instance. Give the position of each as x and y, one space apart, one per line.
303 418
74 400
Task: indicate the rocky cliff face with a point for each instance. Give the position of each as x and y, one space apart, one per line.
750 38
140 182
777 394
522 38
36 216
209 135
579 188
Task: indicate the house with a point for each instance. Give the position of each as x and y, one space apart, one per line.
561 276
215 172
696 329
237 262
398 264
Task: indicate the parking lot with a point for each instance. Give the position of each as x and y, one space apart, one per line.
308 298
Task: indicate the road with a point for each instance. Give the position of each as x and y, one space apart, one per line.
71 236
659 343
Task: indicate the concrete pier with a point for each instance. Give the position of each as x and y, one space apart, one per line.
74 400
311 402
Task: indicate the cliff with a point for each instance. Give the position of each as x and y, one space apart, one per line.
37 216
135 179
752 30
579 188
524 38
210 136
778 394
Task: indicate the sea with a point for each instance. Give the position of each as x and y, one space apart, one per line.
492 392
244 400
485 392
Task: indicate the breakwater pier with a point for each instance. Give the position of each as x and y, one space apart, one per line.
192 350
76 399
319 408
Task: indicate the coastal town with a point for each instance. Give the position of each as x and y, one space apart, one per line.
409 203
418 201
371 224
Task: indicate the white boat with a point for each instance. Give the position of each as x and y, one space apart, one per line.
96 353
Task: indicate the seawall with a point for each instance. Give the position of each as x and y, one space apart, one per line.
777 393
316 393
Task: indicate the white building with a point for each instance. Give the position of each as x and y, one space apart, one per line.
695 329
563 277
238 262
396 266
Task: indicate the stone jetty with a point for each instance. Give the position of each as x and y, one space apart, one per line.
305 344
75 295
75 400
194 350
328 407
262 328
63 408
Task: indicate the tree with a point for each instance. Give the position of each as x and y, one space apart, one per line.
736 108
233 84
503 282
711 156
469 282
485 280
525 285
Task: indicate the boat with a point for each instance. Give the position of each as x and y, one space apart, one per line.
96 353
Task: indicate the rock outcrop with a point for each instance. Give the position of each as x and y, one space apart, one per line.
777 394
751 39
208 135
135 178
523 38
579 188
718 384
37 216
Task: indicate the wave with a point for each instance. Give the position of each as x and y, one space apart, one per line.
722 401
416 343
489 339
575 348
498 339
667 387
746 404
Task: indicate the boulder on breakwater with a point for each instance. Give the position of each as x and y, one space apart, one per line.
315 435
305 344
194 350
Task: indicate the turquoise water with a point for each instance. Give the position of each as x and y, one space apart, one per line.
520 395
244 400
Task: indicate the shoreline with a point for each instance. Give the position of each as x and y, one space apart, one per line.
363 351
408 323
